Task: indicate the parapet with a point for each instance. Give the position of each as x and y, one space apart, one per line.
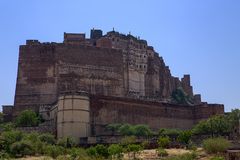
74 37
32 42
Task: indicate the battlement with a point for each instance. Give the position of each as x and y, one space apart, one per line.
73 37
32 42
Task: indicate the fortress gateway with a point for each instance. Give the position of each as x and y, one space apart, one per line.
81 85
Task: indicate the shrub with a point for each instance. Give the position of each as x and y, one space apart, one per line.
47 138
169 132
7 126
102 151
22 148
66 142
115 151
184 137
142 130
77 153
145 144
162 152
217 158
113 127
64 157
126 130
98 151
27 118
134 148
163 141
10 137
91 151
128 140
54 151
4 155
215 145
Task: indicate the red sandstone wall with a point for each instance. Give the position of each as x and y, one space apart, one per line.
36 80
107 110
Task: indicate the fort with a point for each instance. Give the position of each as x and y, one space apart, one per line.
82 84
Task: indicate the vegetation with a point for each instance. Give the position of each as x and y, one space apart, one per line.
15 143
186 156
216 145
219 124
27 118
130 130
217 158
180 97
115 151
169 132
184 137
162 152
163 141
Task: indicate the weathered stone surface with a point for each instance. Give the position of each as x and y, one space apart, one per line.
121 67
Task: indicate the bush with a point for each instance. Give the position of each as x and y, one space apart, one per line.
145 144
47 138
22 148
27 118
10 137
64 157
216 145
142 130
169 132
126 130
115 151
102 151
134 148
54 151
163 141
92 152
78 153
98 151
184 137
4 155
162 152
217 158
128 140
66 142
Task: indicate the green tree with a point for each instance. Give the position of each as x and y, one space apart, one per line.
142 130
216 125
185 137
126 130
113 127
27 118
233 118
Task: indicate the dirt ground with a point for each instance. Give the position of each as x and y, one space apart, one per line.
145 155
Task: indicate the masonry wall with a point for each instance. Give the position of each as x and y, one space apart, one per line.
107 110
36 79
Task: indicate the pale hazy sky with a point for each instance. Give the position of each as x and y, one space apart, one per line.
196 37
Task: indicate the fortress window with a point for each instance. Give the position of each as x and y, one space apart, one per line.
144 66
140 66
113 39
